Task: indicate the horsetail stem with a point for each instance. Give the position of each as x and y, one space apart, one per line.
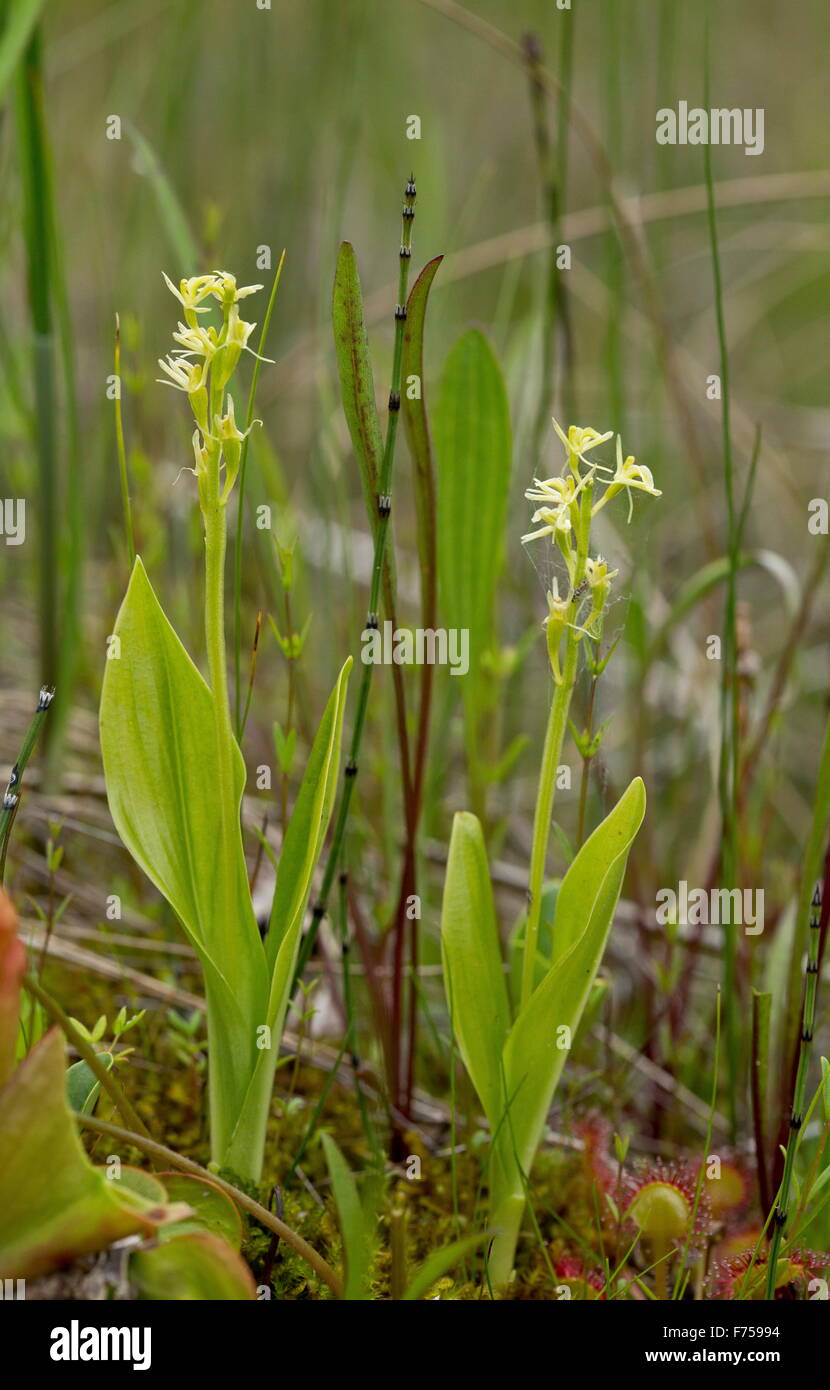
11 797
781 1212
384 506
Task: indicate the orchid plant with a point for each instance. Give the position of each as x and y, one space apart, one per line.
174 769
515 1058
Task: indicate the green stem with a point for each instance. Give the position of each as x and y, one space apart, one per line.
162 1155
799 1091
587 759
82 1047
384 510
215 524
37 229
215 547
240 514
661 1250
729 739
122 452
11 799
554 737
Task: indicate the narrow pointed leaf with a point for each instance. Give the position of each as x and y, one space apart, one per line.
354 366
416 425
301 849
309 822
440 1262
355 1226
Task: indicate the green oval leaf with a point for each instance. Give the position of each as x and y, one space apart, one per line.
473 972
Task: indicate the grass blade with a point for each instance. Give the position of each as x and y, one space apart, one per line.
181 240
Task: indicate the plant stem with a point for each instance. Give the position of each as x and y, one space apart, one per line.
11 799
240 515
215 525
384 510
82 1047
729 744
553 178
587 759
661 1250
37 228
161 1154
799 1090
122 453
215 547
554 736
557 723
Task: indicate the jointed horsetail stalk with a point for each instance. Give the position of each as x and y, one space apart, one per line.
384 509
11 796
781 1213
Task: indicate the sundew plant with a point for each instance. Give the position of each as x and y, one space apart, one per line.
415 844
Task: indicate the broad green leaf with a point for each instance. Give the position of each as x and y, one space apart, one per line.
82 1085
357 385
439 1262
212 1210
192 1267
587 898
161 768
416 426
54 1205
355 1222
137 1187
473 972
473 449
301 849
